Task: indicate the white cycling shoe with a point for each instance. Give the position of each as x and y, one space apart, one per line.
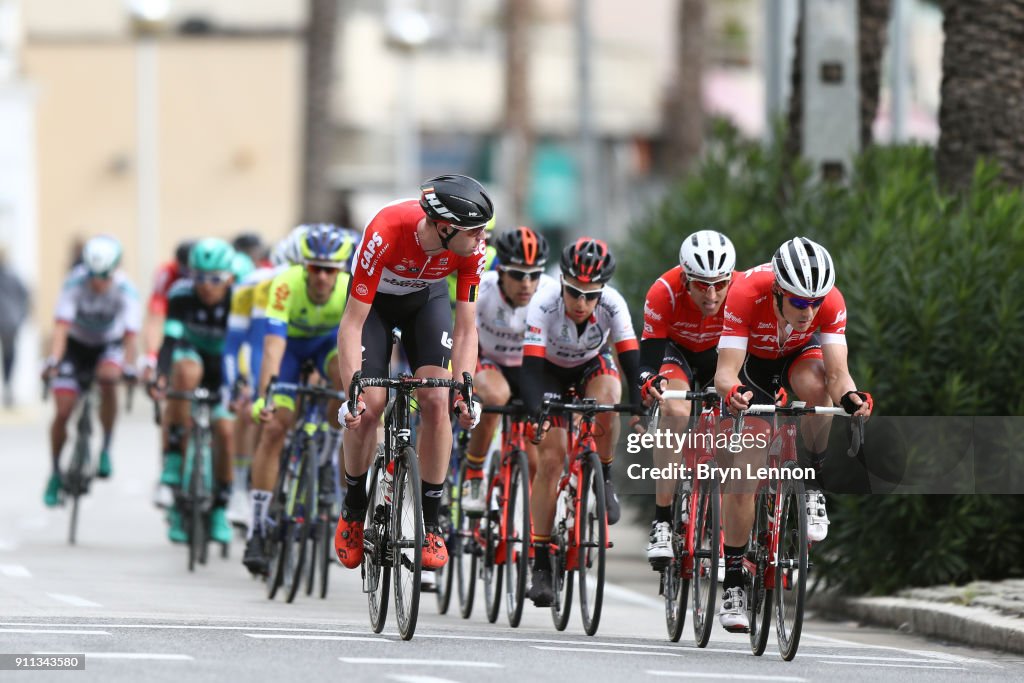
817 518
659 546
733 615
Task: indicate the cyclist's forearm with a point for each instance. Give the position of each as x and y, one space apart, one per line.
839 385
630 362
464 352
533 367
131 349
59 342
273 351
652 351
166 355
152 333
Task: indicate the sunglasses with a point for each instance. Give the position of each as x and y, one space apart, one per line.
802 304
314 269
520 275
212 278
101 276
472 231
576 293
703 286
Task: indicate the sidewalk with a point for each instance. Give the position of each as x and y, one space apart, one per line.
984 613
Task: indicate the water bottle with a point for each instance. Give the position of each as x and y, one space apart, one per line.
389 486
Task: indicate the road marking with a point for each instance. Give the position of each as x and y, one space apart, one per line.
69 632
735 677
413 678
420 662
15 571
124 655
647 653
288 636
74 600
868 658
900 666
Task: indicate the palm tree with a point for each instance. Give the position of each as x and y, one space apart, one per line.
982 110
685 107
320 46
518 128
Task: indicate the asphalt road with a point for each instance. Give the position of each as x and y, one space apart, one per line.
124 598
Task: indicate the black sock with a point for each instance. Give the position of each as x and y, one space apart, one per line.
355 499
606 470
431 503
734 566
817 464
542 559
662 513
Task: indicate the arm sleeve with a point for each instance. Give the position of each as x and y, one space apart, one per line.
630 362
622 327
470 270
652 352
174 330
533 391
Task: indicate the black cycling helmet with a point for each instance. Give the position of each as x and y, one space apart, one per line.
457 200
181 253
521 247
588 260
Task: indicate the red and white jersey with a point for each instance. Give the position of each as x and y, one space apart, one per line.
390 258
751 323
166 275
551 334
500 326
670 313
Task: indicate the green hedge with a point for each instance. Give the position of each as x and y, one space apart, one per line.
934 286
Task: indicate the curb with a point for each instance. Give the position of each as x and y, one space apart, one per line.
975 626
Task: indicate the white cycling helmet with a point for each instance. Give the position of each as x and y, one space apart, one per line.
289 250
804 268
707 255
101 255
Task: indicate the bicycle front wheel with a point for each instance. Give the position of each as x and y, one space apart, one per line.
493 569
707 538
194 517
562 577
675 584
407 541
593 543
376 577
791 566
759 595
517 537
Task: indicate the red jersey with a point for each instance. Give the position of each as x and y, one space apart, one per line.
166 275
669 312
390 259
751 324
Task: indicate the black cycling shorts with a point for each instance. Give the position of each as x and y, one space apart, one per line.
696 367
765 375
556 381
77 368
425 319
512 375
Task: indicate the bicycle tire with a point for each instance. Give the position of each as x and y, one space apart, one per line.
759 596
593 543
675 586
77 479
279 526
517 537
445 573
303 517
374 569
407 541
193 514
467 551
707 548
562 578
492 570
327 521
791 566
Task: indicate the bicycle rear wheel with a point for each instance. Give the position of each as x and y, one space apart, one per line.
593 539
759 595
374 569
517 537
193 509
706 546
791 566
327 519
407 541
493 569
675 586
303 514
466 551
279 527
445 574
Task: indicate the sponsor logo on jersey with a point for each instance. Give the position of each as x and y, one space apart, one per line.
731 317
362 289
649 312
400 268
368 251
840 317
765 326
760 299
281 293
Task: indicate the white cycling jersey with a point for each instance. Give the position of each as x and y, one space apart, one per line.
551 334
97 319
500 326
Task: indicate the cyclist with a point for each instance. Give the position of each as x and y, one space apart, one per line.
505 295
190 356
784 330
683 316
302 325
407 251
166 275
251 244
94 335
566 347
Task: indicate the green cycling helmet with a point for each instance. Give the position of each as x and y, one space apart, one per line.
211 255
241 266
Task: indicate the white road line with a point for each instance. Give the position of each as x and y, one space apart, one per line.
15 571
946 656
413 678
420 662
646 653
70 632
731 677
868 658
123 655
74 600
900 666
288 636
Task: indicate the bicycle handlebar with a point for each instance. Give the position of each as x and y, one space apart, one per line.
709 394
591 408
800 409
512 409
408 382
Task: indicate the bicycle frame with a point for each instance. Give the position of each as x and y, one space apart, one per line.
513 439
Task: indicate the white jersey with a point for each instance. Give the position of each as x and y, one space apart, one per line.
551 334
499 325
98 319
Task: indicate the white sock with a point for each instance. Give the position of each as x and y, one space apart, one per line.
260 509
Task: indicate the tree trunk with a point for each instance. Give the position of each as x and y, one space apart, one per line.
873 22
317 200
982 110
518 128
686 107
795 115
